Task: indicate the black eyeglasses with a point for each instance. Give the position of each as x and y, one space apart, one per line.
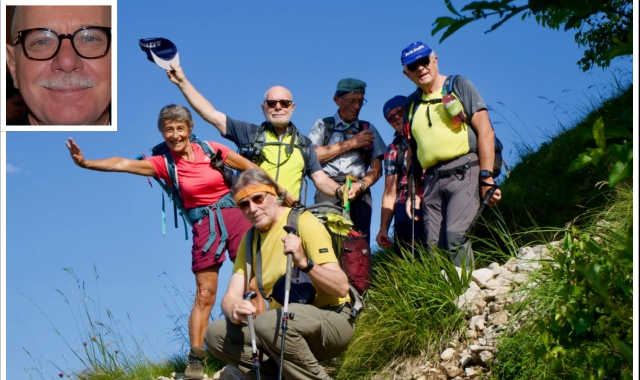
352 102
257 199
413 66
394 115
41 44
284 103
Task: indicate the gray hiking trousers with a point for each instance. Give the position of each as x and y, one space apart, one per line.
312 335
449 205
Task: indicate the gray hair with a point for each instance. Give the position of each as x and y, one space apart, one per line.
176 113
252 177
15 11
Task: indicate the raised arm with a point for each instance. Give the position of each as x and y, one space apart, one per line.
198 102
113 164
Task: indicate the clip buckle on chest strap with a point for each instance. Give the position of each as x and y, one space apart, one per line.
458 170
197 213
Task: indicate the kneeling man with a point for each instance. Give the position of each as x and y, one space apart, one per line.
319 330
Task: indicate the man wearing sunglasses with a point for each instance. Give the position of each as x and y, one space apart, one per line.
280 149
60 60
458 158
347 146
319 330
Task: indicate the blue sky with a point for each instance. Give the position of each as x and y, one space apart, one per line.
60 216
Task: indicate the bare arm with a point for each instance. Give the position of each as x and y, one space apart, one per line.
388 207
372 176
324 183
486 150
199 103
113 164
329 152
233 306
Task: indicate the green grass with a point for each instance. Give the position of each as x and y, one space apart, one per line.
411 312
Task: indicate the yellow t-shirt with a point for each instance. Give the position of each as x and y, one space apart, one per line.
291 166
443 140
316 242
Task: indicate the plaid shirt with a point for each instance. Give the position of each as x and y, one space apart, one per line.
392 166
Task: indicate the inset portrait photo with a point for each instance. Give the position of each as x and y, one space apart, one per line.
60 68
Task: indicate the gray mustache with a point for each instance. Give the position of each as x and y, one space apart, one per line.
66 80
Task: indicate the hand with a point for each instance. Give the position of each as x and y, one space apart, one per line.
497 195
241 310
76 153
176 75
417 207
354 191
293 244
361 139
383 239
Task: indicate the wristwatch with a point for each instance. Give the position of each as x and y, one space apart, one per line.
363 187
310 265
486 174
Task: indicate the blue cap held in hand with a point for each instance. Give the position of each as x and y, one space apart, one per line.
161 51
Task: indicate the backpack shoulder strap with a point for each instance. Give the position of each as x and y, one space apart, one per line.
249 255
447 87
294 215
329 125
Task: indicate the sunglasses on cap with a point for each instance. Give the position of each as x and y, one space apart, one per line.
413 66
284 103
256 199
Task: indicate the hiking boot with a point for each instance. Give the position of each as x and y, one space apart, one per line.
195 367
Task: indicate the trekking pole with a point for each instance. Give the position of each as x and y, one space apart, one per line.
285 314
248 296
413 207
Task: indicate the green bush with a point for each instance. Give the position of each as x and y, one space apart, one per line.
579 315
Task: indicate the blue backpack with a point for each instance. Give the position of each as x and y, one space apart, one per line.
195 214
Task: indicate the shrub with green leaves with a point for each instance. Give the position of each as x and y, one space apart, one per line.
580 311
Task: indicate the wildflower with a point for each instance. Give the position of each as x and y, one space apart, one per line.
117 352
84 344
60 375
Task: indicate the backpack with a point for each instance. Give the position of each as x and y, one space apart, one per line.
448 88
173 191
329 129
253 151
353 253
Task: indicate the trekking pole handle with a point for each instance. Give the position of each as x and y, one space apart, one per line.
287 284
483 204
248 296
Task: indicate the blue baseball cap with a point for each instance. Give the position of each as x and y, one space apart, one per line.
414 52
161 51
396 101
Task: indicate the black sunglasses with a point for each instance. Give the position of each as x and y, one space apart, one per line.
413 66
284 103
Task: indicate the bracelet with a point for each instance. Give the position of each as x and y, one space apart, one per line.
336 192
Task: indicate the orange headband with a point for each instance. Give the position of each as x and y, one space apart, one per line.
252 190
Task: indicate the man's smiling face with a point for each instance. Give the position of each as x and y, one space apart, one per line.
66 89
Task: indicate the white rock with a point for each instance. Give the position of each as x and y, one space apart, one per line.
481 276
499 270
470 372
448 354
499 318
476 323
493 265
510 265
485 356
465 359
492 284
